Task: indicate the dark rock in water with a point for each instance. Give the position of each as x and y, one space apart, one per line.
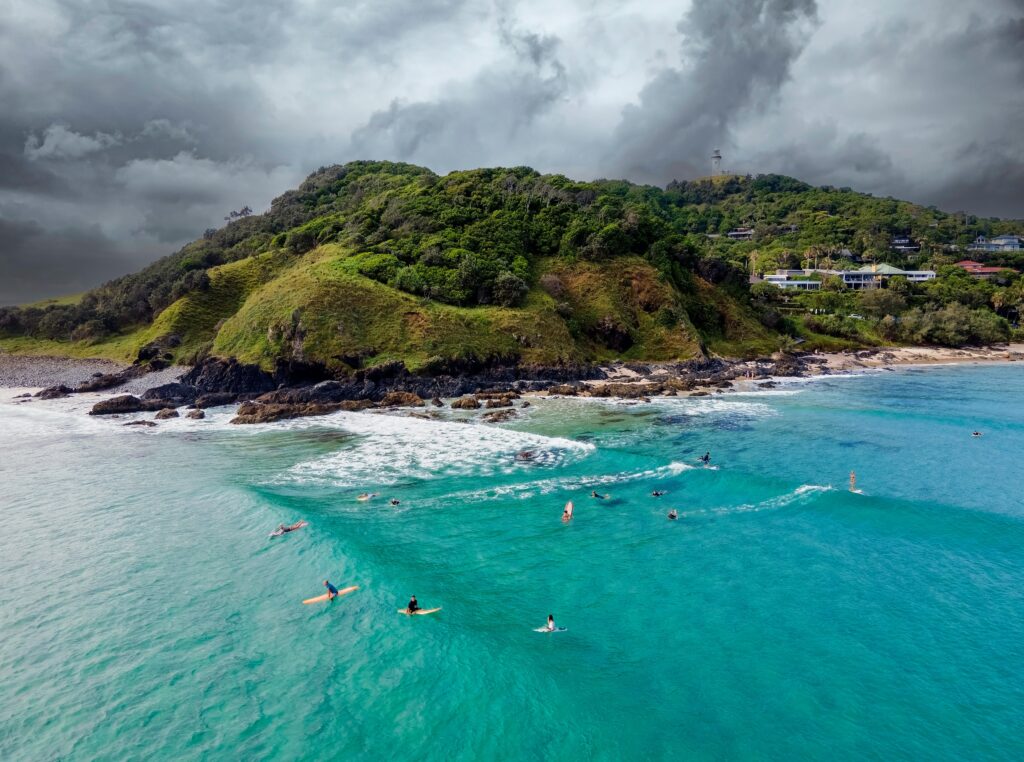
767 385
401 399
216 375
465 403
436 402
498 402
195 414
183 394
139 423
54 392
268 412
526 403
126 403
700 394
215 399
167 412
499 416
23 396
101 382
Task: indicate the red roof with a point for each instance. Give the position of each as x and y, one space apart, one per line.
977 268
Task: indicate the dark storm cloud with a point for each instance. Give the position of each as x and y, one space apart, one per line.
128 127
736 55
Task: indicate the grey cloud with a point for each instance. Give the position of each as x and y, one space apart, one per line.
157 118
736 55
466 128
38 263
59 142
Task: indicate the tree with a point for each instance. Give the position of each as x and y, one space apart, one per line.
879 302
245 211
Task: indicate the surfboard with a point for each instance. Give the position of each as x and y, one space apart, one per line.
545 629
364 498
567 515
420 611
322 598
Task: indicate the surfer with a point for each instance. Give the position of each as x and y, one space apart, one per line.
394 502
706 458
594 493
332 591
524 455
657 493
366 496
976 434
673 515
413 606
282 529
550 626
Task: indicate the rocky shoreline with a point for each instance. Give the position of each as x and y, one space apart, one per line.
291 391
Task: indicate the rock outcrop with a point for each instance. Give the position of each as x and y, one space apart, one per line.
127 403
165 413
401 399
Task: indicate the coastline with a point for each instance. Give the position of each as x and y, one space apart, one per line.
176 386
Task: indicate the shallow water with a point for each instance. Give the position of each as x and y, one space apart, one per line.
145 614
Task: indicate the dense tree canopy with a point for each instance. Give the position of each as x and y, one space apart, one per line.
474 238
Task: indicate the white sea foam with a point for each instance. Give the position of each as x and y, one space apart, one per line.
532 489
391 448
799 495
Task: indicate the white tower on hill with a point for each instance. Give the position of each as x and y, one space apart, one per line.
716 163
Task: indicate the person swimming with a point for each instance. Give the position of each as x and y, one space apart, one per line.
657 493
673 515
393 501
413 606
594 493
332 591
976 434
284 529
706 458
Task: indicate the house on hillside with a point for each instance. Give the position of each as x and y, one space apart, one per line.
870 276
996 243
904 243
980 271
741 234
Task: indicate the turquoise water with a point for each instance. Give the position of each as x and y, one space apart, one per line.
145 614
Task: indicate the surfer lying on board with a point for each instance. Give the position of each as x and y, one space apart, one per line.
594 493
282 529
332 591
395 502
976 434
657 493
673 515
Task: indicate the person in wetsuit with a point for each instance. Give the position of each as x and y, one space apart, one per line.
332 591
706 459
672 515
413 606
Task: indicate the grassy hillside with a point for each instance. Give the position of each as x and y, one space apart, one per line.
374 261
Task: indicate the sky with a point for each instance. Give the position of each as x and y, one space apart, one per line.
129 127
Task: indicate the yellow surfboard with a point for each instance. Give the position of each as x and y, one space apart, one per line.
324 597
420 611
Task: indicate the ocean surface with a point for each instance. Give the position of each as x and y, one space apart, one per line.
145 614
